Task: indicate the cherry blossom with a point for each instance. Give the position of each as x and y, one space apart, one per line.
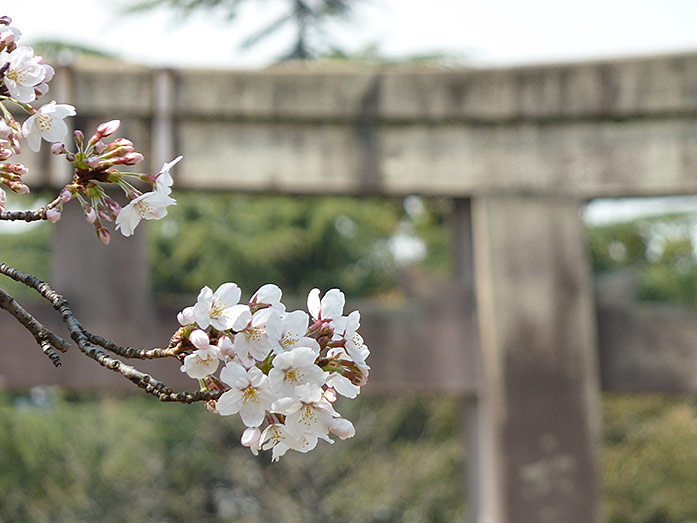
347 329
24 72
269 295
220 309
47 123
329 307
291 332
250 394
277 437
254 340
148 206
294 368
308 413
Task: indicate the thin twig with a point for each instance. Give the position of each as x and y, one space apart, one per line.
47 339
91 345
131 352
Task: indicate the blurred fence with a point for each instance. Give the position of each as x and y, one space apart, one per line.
519 331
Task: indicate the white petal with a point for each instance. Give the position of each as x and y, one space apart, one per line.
333 304
313 303
228 294
235 375
229 403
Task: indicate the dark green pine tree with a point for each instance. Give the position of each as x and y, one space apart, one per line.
308 18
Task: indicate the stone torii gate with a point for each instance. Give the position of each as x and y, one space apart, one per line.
521 151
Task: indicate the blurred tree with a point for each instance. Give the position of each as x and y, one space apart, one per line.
661 249
309 18
356 244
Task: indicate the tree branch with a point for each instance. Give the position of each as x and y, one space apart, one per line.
91 344
27 216
47 339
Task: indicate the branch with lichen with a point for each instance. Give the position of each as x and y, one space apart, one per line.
92 345
26 216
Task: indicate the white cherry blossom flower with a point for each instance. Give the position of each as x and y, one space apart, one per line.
330 307
201 362
47 123
343 385
220 309
277 437
204 360
308 413
250 394
9 34
148 206
294 368
253 340
346 328
269 294
24 72
291 333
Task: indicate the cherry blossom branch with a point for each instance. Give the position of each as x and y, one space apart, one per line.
27 216
131 352
91 344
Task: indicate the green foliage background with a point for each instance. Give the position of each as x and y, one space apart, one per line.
71 460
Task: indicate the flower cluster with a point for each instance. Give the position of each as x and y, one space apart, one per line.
23 79
94 162
281 370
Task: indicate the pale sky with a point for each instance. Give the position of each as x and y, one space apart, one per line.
491 32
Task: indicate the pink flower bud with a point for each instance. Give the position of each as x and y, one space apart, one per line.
79 137
70 157
212 407
330 395
19 187
120 142
99 147
58 148
92 162
7 37
65 195
103 235
186 316
227 348
104 215
114 208
131 158
250 436
14 168
90 214
199 339
108 128
53 214
5 130
5 20
5 154
342 428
